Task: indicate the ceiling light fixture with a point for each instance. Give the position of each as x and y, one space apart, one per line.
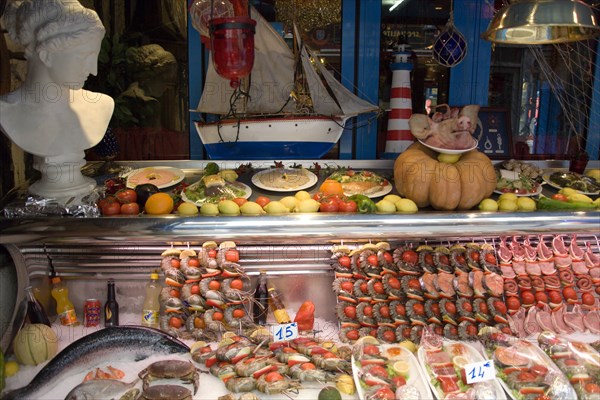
396 4
531 22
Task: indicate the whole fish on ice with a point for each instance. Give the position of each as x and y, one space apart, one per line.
98 389
134 343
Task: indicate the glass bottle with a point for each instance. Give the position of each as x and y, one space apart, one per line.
261 296
64 306
35 312
151 308
111 307
277 306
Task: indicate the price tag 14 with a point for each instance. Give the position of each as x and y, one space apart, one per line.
284 332
480 371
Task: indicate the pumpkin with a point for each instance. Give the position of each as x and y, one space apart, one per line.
34 344
419 176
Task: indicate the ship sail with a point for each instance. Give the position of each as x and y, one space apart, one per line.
272 81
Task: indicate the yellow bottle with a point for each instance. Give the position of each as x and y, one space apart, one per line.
277 306
64 306
151 308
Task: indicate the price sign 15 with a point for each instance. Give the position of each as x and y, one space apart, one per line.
480 371
284 332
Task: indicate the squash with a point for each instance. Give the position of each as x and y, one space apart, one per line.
419 176
34 344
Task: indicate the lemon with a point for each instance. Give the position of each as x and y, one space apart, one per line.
488 205
507 205
276 207
526 204
251 208
385 207
367 340
187 209
392 197
197 346
460 361
11 368
209 209
302 195
345 384
406 206
579 198
228 207
448 158
508 196
307 206
409 345
593 173
401 367
289 201
567 191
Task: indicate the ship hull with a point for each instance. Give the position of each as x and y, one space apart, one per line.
273 138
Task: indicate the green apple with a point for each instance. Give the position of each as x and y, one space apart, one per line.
393 198
385 207
302 195
209 209
488 205
507 205
228 207
526 204
406 206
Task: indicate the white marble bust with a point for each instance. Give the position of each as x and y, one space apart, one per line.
50 115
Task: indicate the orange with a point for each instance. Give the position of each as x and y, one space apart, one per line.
159 203
329 187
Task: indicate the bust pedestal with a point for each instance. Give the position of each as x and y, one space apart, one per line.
61 177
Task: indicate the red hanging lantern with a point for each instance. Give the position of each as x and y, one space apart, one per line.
232 47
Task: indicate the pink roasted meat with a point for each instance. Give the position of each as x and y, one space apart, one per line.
451 130
532 264
577 255
559 322
591 320
516 322
544 318
592 260
531 325
574 319
545 258
562 257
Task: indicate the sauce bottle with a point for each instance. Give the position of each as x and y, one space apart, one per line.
111 307
151 308
64 306
277 306
260 307
35 312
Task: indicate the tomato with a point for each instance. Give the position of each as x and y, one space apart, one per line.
237 284
107 200
527 297
541 298
195 289
588 299
262 201
126 196
175 263
329 186
175 322
217 316
374 261
174 292
212 253
371 350
350 312
232 255
348 206
307 366
398 381
450 307
112 208
554 296
513 303
569 293
388 257
214 285
130 208
345 261
239 201
329 205
389 336
592 388
194 262
560 197
410 257
238 313
273 376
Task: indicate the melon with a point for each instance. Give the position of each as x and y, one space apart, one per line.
35 344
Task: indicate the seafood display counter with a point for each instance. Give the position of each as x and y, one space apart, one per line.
450 274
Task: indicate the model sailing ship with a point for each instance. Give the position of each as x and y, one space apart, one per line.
289 107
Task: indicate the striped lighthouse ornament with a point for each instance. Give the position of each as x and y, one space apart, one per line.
398 136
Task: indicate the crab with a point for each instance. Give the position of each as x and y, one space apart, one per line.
169 369
171 392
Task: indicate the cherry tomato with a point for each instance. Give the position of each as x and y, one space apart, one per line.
174 292
238 313
194 262
588 299
212 253
232 255
237 284
513 303
239 201
388 257
347 206
560 197
527 297
262 201
130 208
111 208
410 257
569 293
175 322
214 285
218 316
307 366
126 196
373 260
345 261
592 388
329 205
273 376
175 263
554 297
398 381
195 289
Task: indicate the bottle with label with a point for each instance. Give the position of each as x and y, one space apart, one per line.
35 312
151 308
261 296
277 306
111 307
64 306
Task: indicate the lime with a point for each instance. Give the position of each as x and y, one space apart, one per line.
329 393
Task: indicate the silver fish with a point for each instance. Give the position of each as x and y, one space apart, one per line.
106 345
97 389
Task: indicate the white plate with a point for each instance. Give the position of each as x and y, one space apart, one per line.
144 175
474 356
538 191
416 378
247 192
273 174
451 151
546 178
381 192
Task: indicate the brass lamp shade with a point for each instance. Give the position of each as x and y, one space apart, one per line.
530 22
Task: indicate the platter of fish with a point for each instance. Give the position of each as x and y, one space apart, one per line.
583 184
